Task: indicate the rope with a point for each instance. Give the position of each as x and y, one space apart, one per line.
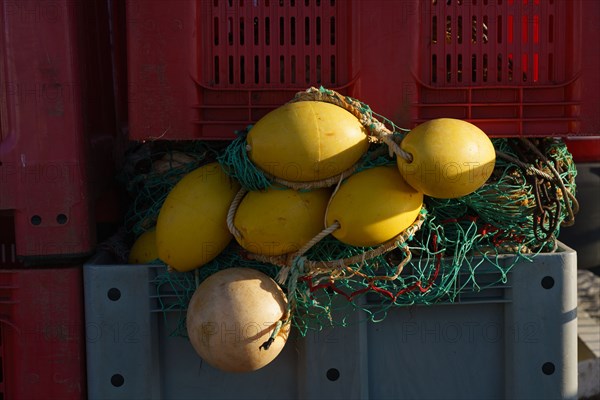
231 213
314 184
361 111
571 211
324 266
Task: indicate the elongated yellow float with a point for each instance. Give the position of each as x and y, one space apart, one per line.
191 229
451 158
279 221
307 141
373 206
144 249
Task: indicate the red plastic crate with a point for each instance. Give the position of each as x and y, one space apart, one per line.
57 123
200 69
42 339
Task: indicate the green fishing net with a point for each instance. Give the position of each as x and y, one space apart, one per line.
458 251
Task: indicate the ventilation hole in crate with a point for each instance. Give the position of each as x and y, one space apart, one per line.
459 68
524 28
216 78
499 30
459 33
536 29
333 77
113 294
293 3
256 70
509 29
61 219
318 3
242 69
448 67
255 30
268 69
318 29
485 67
510 67
474 29
318 69
448 30
242 30
547 282
117 380
268 31
230 31
307 31
474 68
434 29
484 29
36 220
281 31
499 61
536 67
293 31
307 69
333 374
306 3
524 66
548 368
332 31
216 31
281 69
230 68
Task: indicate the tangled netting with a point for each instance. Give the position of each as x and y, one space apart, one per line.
455 249
152 169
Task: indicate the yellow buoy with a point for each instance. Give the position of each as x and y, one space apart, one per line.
451 158
192 224
373 206
279 221
232 314
144 249
307 141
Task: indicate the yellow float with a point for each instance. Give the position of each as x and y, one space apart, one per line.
144 249
232 314
191 229
451 158
306 141
279 221
373 206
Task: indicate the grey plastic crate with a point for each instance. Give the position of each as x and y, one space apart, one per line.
517 340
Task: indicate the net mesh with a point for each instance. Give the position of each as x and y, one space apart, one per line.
459 250
456 250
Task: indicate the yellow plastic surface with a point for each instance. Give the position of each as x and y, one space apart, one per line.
279 221
451 158
373 206
307 141
192 228
144 249
231 314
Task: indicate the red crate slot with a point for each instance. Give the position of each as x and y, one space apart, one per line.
57 124
201 69
233 62
42 347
